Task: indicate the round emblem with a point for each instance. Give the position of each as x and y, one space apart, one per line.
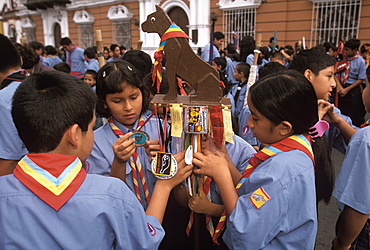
140 138
164 165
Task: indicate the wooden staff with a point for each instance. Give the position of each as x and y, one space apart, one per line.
99 47
253 71
139 45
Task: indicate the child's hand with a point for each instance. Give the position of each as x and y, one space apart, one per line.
211 164
199 204
151 148
123 148
326 112
183 171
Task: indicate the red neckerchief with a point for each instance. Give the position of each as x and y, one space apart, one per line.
53 178
346 71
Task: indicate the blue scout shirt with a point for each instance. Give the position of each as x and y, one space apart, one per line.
102 214
206 52
352 184
11 146
102 154
287 218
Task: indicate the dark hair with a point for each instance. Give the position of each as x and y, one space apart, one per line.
9 55
220 61
231 48
271 68
50 50
277 55
152 88
123 47
327 46
114 46
46 104
90 52
29 56
65 41
271 39
353 44
91 72
63 67
36 45
218 35
265 53
363 48
280 97
243 67
110 80
247 45
312 59
140 59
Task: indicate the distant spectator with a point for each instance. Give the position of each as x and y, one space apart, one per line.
64 67
51 56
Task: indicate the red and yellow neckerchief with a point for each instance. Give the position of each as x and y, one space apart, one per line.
53 178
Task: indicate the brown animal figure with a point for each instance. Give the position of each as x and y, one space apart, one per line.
182 61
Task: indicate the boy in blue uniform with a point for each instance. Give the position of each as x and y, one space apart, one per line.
74 57
11 75
218 41
49 202
351 79
352 190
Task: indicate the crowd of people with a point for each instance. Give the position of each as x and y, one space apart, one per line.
72 177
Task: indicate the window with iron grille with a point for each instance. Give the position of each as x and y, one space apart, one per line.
334 20
122 33
85 35
30 34
238 23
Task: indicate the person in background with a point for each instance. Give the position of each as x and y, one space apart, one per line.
51 56
218 41
74 57
90 58
116 53
38 48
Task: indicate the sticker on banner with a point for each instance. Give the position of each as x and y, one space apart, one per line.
164 165
196 119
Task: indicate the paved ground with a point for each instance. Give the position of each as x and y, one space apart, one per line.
328 214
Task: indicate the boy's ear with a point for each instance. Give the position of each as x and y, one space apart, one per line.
309 74
73 135
286 128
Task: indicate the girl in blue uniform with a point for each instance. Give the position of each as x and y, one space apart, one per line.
124 100
274 204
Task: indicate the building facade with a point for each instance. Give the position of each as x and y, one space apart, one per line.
311 21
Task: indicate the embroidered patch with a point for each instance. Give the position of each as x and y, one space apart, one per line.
259 198
152 230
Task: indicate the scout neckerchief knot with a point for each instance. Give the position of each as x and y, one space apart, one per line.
171 32
53 178
293 142
135 163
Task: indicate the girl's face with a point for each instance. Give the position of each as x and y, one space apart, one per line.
125 106
238 75
366 96
106 54
323 83
262 128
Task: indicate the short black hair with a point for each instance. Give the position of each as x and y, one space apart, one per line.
243 67
50 50
271 39
29 56
220 61
218 35
231 48
63 67
353 43
114 46
91 72
46 104
277 55
270 68
65 41
90 52
36 45
9 55
110 78
141 61
312 59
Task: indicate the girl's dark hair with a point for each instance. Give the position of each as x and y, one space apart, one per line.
110 78
247 45
289 96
